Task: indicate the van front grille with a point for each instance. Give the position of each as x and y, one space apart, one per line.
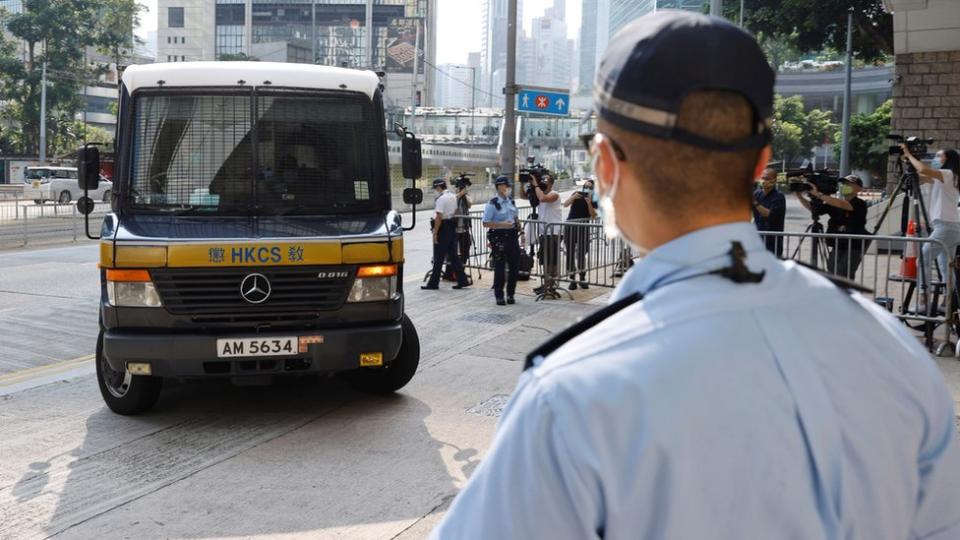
217 290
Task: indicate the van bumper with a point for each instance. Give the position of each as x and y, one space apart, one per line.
196 355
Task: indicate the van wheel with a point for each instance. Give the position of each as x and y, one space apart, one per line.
395 375
124 393
65 197
106 195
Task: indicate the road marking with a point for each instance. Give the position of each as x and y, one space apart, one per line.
18 377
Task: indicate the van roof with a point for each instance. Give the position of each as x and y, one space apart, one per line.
183 74
50 167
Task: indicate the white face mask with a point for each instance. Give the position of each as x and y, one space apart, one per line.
608 211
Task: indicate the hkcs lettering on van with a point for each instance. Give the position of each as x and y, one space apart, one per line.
262 255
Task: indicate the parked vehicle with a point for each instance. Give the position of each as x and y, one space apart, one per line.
59 184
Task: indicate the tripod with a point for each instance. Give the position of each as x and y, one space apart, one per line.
819 249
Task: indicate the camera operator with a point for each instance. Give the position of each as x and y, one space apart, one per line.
770 210
577 237
550 212
500 219
944 175
848 215
445 237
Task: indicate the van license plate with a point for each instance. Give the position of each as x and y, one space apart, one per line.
247 347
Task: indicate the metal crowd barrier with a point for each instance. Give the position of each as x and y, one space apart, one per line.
23 222
571 251
924 302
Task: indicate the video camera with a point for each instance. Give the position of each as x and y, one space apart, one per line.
825 180
533 175
463 180
916 145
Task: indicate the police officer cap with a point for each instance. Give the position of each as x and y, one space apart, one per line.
502 181
655 62
439 182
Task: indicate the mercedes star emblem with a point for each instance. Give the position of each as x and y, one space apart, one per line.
255 288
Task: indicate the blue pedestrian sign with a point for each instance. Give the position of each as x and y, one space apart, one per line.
543 101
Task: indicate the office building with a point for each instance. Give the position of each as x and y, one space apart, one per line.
553 52
623 12
493 48
455 84
12 6
325 32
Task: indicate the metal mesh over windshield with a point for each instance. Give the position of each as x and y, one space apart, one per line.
192 151
296 153
313 152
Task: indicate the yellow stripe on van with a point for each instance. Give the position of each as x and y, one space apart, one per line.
253 254
140 256
106 254
365 253
398 250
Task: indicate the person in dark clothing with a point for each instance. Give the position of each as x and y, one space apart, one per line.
576 237
501 219
770 211
445 237
848 215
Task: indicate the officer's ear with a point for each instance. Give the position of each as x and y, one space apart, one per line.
605 165
762 161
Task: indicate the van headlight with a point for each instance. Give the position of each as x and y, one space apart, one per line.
131 288
374 284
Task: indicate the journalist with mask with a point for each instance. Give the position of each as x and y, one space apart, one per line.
944 176
770 210
577 237
848 215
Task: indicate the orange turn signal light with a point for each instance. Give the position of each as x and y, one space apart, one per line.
381 270
128 276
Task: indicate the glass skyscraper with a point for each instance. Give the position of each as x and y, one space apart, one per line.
12 6
623 12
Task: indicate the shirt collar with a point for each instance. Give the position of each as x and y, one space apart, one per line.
699 251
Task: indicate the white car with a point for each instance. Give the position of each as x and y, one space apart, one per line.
60 184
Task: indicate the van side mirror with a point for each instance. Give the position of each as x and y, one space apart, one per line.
412 196
88 167
412 157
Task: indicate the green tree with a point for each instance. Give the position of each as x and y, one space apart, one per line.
780 48
116 21
796 131
821 24
868 140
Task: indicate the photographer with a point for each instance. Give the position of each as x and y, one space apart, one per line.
500 219
770 210
848 215
550 212
944 174
577 237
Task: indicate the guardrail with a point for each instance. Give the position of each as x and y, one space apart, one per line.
563 253
874 262
25 223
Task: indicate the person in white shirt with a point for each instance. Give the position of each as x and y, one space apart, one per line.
944 175
550 212
445 237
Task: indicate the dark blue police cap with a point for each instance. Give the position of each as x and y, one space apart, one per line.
439 182
656 61
502 180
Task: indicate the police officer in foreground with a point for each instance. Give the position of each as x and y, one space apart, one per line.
500 219
723 393
445 237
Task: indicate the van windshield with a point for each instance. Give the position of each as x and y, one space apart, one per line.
274 153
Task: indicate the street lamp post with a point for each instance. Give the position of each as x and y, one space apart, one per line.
845 131
509 132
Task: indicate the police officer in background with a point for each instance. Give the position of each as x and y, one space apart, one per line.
500 218
724 394
445 237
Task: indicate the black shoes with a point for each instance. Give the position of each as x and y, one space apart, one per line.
501 302
584 285
458 286
429 287
511 301
573 285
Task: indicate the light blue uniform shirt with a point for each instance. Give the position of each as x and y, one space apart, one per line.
784 409
506 214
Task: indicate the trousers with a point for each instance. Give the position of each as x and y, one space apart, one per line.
506 261
446 248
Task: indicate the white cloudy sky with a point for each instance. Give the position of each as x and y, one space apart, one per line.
459 24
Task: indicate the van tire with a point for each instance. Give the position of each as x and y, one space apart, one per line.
136 393
65 197
396 374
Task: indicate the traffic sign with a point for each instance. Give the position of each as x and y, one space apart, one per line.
543 101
